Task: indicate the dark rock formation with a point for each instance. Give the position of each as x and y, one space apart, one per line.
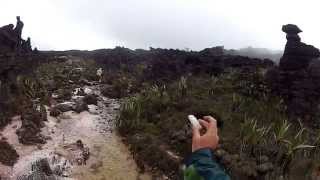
91 99
40 170
8 156
32 122
11 41
169 64
63 107
15 61
297 78
297 55
81 106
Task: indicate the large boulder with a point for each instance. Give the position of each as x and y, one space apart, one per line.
91 99
81 106
64 107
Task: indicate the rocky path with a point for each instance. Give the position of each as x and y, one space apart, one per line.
102 157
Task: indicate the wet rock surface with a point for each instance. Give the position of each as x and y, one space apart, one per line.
81 146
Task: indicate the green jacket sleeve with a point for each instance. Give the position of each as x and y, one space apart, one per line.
206 165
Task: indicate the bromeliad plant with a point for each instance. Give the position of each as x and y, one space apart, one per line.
292 146
252 135
131 112
281 131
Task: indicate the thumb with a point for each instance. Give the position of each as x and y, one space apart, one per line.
195 138
195 134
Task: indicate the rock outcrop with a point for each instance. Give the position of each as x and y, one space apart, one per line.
298 76
11 41
16 60
32 121
8 156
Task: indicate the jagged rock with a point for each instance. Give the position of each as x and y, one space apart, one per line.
63 107
32 122
81 106
297 78
11 41
297 55
91 99
291 29
40 170
9 155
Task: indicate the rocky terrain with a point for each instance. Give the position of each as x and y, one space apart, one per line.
68 114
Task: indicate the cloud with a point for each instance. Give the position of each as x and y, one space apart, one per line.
195 24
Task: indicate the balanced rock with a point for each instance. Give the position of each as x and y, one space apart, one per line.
291 29
297 78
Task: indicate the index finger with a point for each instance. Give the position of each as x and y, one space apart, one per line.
212 123
211 120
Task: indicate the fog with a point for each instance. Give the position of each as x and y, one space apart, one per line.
193 24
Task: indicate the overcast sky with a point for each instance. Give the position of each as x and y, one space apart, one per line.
194 24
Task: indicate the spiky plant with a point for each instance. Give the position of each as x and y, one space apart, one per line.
182 86
281 131
251 134
30 87
130 114
292 146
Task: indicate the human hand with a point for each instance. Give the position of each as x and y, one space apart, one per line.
208 140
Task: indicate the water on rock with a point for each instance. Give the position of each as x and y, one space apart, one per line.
107 157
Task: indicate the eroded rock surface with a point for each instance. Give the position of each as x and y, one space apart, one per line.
297 78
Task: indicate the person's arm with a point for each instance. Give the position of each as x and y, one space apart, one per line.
202 158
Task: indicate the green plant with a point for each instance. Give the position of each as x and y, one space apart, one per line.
191 173
182 86
251 134
292 146
281 131
130 114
